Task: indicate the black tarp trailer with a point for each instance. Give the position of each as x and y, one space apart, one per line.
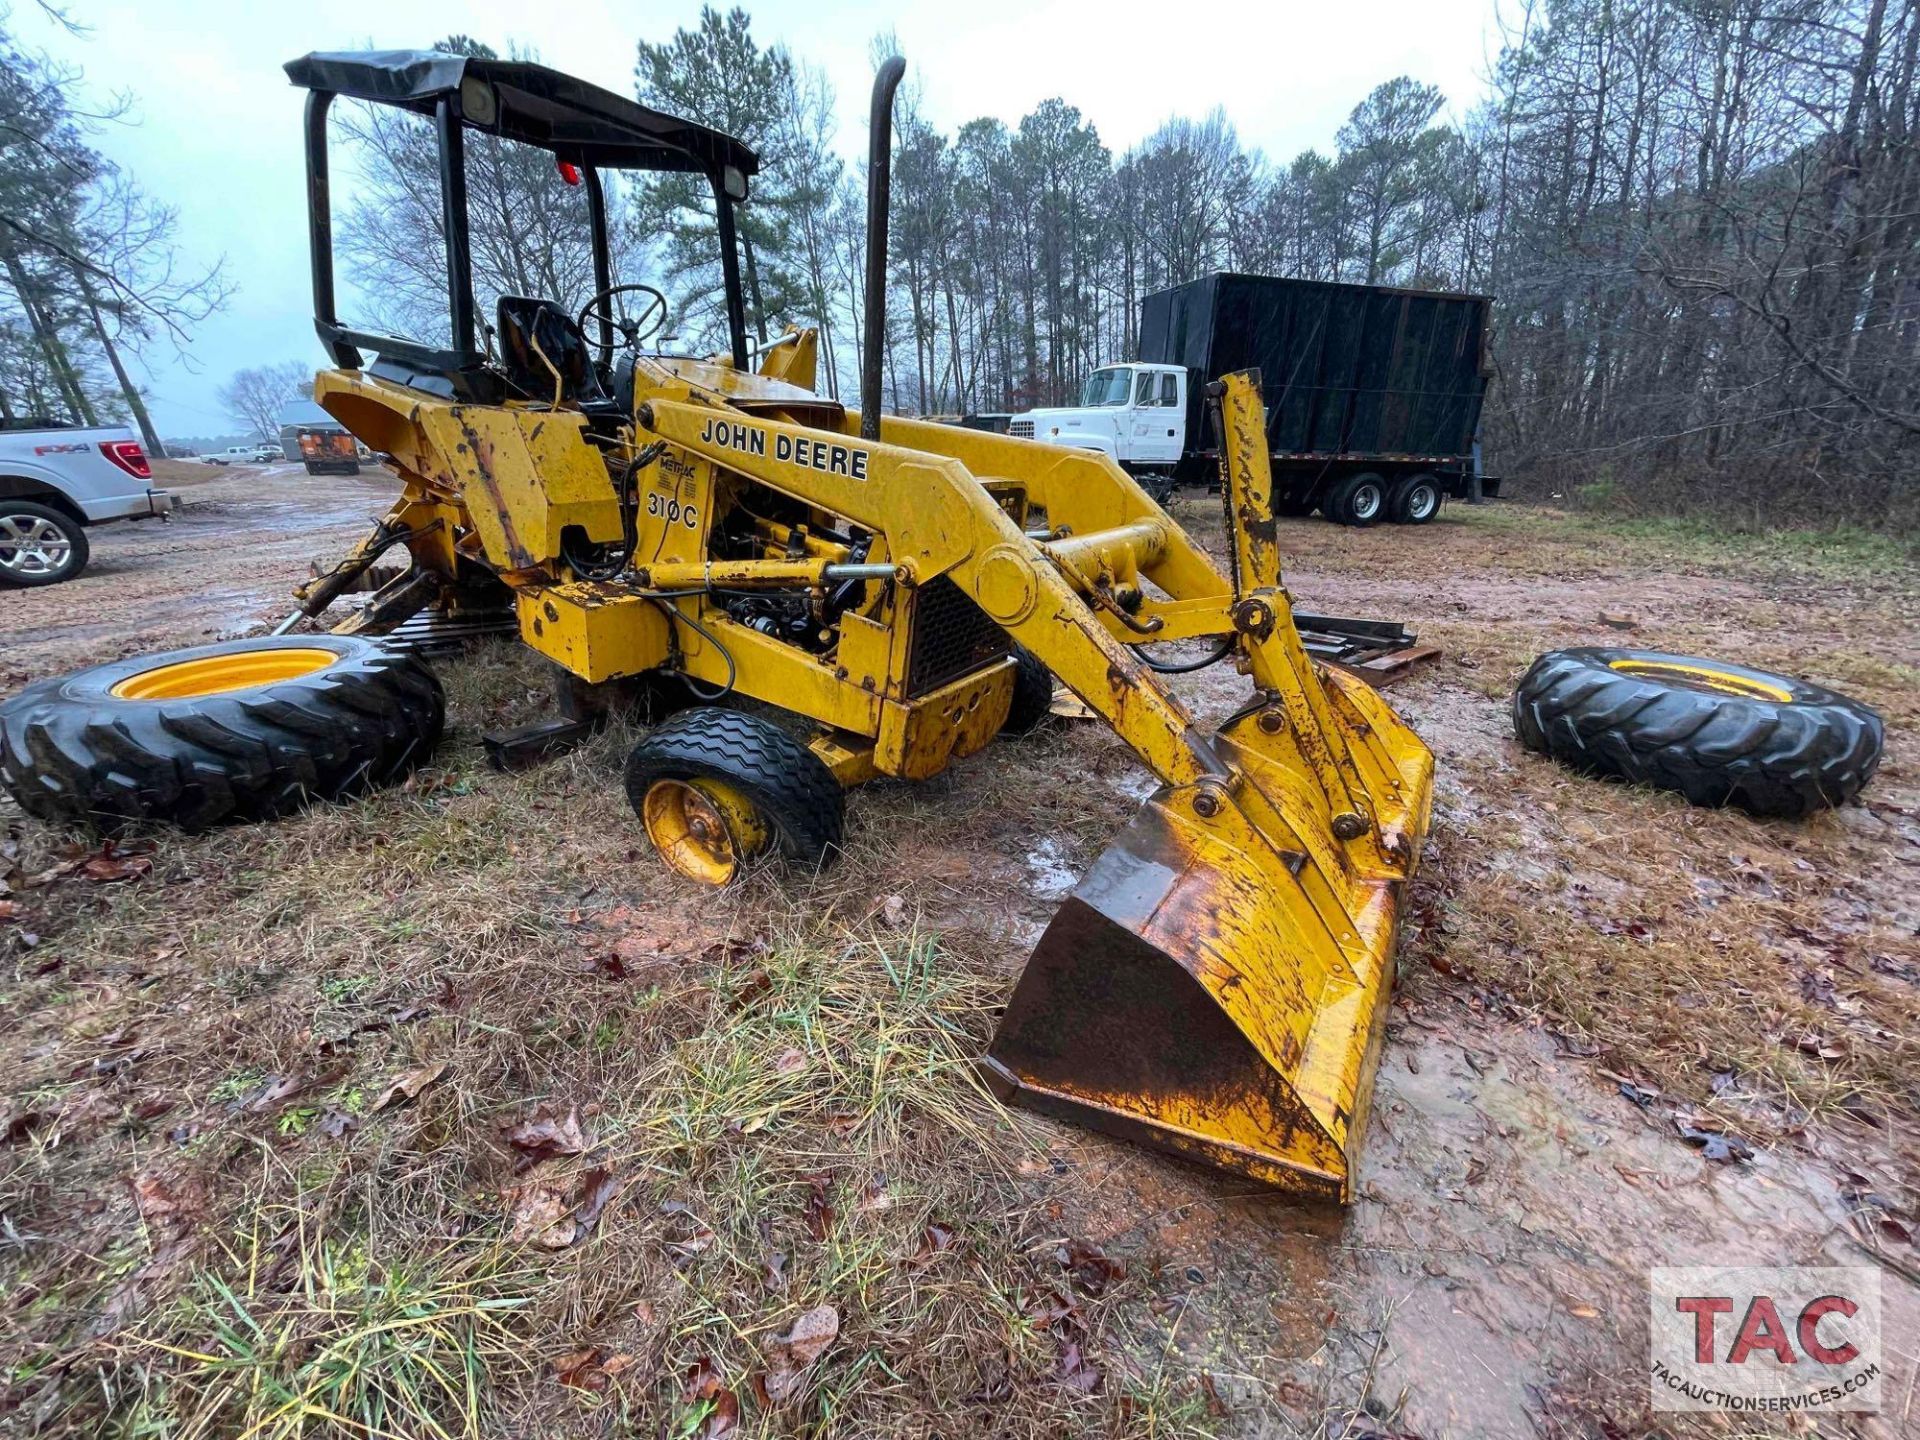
1373 393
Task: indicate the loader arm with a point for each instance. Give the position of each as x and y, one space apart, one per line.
938 520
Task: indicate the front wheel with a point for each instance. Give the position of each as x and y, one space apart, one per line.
1032 694
717 789
39 545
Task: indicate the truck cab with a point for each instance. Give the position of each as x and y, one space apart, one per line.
56 480
1136 413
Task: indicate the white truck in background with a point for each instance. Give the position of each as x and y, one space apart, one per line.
1135 413
55 481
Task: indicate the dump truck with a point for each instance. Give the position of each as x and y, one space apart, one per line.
798 597
1373 393
326 451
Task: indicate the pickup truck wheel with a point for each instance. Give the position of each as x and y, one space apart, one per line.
1357 500
1414 499
244 730
39 545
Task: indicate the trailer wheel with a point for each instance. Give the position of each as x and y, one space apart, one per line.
1719 734
1357 500
1414 499
717 789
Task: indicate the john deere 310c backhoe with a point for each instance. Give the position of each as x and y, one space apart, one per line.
716 528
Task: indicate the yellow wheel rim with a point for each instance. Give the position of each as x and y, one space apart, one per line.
704 829
1695 675
218 674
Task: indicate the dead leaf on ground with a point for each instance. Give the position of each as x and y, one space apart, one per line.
338 1124
23 1125
935 1240
789 1356
113 865
687 1233
407 1086
544 1135
1091 1266
598 1189
539 1214
790 1062
1052 1308
11 910
874 1196
271 1092
555 1214
1076 1372
580 1369
819 1214
751 989
1714 1145
719 1409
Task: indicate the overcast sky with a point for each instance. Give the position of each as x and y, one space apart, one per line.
217 127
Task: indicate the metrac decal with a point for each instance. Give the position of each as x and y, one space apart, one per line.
848 460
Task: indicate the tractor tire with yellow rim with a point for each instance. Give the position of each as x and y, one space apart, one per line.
718 789
243 730
1717 733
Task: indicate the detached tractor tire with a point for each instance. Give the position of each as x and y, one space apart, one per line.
1414 499
39 545
717 789
245 730
1032 703
1357 500
1718 734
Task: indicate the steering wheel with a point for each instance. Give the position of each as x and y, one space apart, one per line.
650 322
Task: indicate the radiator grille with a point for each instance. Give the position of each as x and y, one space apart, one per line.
952 637
1022 428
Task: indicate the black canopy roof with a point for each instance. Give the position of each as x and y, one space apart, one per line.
576 121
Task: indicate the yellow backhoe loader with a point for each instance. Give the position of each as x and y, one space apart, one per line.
715 528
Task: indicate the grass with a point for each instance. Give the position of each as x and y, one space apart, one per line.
1836 553
774 1086
787 1113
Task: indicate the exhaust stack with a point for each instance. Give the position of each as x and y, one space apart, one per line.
879 195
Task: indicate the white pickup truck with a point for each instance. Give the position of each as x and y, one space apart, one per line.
56 481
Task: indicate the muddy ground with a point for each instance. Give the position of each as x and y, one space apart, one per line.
1586 970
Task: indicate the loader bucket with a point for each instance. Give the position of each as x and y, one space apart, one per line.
1217 983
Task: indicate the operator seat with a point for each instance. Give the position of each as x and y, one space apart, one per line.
526 322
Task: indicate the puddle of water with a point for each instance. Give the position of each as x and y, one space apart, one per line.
1049 875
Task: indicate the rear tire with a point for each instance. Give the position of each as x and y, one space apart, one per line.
1032 694
1357 500
39 545
1718 734
789 790
73 752
1414 500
